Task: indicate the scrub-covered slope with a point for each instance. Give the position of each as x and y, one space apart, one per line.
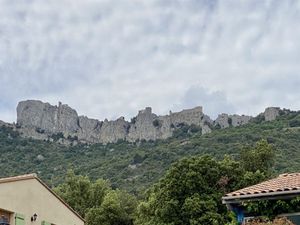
134 166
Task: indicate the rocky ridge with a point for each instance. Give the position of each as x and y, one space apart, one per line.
40 120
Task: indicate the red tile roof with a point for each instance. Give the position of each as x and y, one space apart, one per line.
283 184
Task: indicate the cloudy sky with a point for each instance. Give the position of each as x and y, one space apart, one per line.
108 58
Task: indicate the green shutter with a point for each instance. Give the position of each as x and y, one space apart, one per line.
45 223
20 219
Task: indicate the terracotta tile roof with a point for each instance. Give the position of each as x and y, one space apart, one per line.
283 184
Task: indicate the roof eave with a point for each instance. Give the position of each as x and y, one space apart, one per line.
260 196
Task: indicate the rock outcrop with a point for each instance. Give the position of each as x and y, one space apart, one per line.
43 121
2 123
47 118
271 113
224 120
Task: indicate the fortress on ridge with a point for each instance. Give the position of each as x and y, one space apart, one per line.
43 121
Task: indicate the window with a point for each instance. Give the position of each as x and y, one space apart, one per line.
4 217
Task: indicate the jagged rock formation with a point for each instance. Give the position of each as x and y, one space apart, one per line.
43 121
271 113
3 123
224 120
48 118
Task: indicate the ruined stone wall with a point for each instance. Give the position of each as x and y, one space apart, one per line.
224 120
41 121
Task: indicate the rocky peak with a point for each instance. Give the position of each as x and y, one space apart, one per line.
52 119
271 113
224 120
41 120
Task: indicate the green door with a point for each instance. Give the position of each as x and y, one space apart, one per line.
20 219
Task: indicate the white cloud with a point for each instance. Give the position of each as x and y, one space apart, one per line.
111 58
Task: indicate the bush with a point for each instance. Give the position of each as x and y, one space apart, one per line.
57 136
156 123
294 123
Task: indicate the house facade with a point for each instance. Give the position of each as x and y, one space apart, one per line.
26 200
283 187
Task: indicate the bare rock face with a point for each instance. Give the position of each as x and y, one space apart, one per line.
271 113
224 120
206 124
188 116
112 131
51 119
31 113
206 129
2 123
89 129
43 121
237 120
144 127
67 119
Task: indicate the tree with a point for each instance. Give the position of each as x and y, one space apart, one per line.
260 157
190 193
118 208
96 201
191 190
76 191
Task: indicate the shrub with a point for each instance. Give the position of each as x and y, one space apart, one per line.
156 123
294 123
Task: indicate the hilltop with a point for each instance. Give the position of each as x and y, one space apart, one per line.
39 120
134 166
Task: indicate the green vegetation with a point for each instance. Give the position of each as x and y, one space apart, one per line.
135 167
191 190
178 181
96 201
188 194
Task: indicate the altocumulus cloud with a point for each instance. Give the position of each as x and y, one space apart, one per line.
111 58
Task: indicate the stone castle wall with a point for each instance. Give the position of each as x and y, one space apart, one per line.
41 120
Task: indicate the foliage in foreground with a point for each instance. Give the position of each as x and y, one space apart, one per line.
191 191
96 201
189 194
271 208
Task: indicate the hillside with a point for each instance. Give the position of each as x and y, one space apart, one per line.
135 166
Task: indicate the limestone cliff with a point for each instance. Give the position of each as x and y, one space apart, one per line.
48 118
43 121
271 113
224 120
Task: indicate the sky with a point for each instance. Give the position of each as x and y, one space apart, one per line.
111 58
